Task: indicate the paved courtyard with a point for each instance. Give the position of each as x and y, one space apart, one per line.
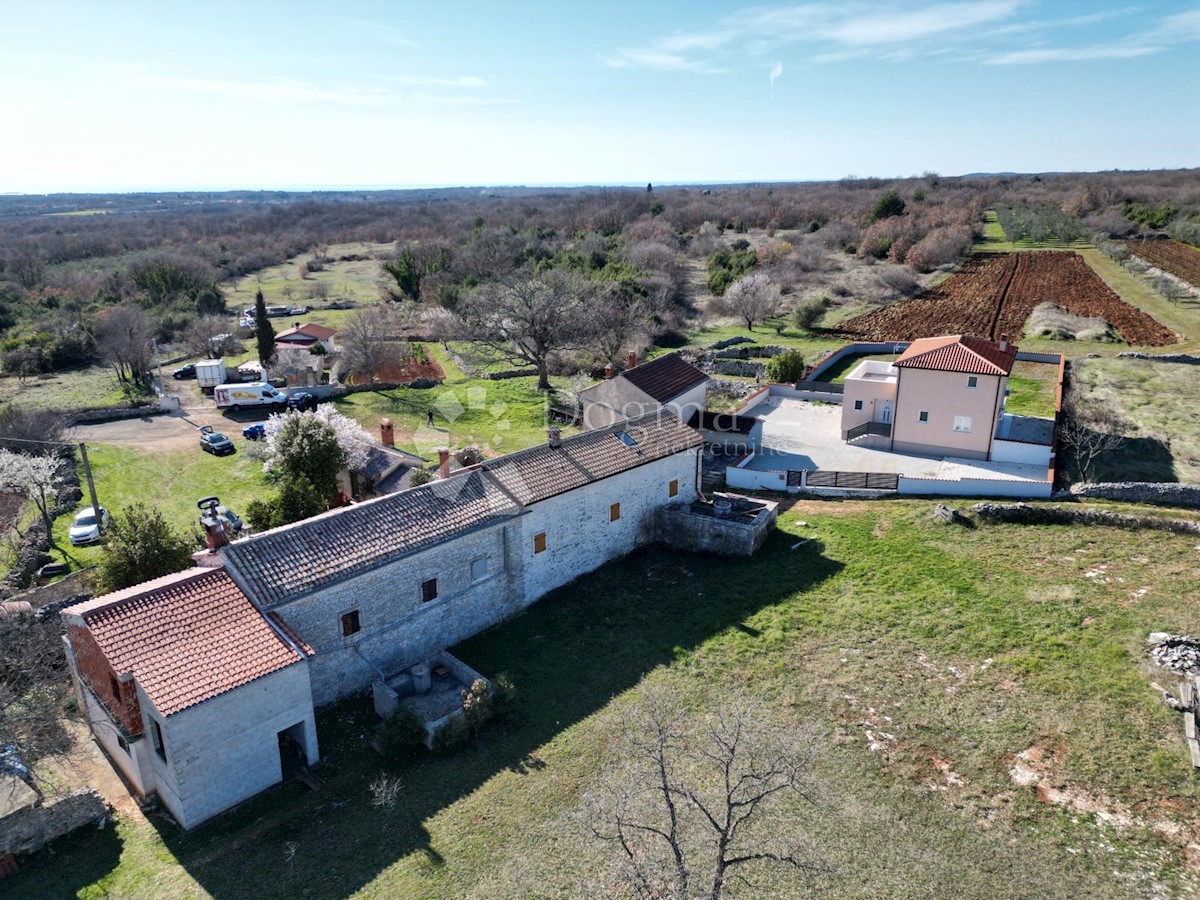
798 434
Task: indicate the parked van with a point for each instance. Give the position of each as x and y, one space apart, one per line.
256 393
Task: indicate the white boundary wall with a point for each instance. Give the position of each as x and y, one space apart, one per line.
1020 452
974 487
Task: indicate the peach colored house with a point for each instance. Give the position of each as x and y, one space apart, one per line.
944 396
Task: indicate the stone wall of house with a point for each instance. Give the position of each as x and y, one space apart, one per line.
579 534
396 627
226 749
398 630
32 828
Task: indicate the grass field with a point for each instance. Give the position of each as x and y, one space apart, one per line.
996 241
92 387
171 481
927 658
1164 441
356 280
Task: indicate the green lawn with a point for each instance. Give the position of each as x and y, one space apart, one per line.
887 630
1033 389
171 481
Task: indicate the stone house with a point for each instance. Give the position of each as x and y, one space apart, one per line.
197 697
944 396
669 382
200 685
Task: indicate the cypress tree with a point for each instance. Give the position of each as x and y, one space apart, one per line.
264 334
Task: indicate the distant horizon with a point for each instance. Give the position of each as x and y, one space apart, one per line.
380 188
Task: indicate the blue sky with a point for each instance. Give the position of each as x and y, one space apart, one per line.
172 95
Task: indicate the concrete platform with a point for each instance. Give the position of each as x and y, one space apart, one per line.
799 434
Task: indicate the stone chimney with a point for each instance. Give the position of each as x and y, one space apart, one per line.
553 437
443 462
609 370
1003 342
215 536
631 360
387 432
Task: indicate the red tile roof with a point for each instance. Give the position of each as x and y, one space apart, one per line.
959 353
665 378
185 637
309 330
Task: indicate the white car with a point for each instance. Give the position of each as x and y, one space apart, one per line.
86 529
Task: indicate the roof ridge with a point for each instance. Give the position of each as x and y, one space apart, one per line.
141 590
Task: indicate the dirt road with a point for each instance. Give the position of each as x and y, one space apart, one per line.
178 431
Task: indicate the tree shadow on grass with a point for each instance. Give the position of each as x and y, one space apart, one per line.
67 866
1137 459
567 656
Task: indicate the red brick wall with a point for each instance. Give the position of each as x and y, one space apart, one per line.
95 668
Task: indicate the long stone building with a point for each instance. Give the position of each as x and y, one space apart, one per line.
201 686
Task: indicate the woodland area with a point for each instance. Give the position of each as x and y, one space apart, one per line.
93 278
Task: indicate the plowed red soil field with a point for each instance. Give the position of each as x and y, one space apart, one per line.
994 293
1179 259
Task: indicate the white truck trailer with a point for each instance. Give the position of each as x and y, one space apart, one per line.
256 393
210 373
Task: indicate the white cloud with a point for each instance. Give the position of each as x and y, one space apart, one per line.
872 27
1070 54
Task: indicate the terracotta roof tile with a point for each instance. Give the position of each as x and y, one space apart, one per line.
310 330
664 378
959 353
186 637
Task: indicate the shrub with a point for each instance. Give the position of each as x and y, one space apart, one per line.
402 734
886 207
786 367
139 545
809 313
420 477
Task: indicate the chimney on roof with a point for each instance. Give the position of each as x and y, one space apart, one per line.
215 536
631 360
553 437
1003 342
608 370
295 324
443 462
387 432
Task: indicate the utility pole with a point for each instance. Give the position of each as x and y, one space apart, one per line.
87 473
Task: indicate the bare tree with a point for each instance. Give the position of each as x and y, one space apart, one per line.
366 343
526 318
37 477
1091 430
752 298
208 336
34 688
687 809
123 336
292 361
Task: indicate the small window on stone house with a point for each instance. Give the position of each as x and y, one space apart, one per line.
673 490
972 382
351 623
858 404
614 512
156 736
428 590
479 569
539 542
122 743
